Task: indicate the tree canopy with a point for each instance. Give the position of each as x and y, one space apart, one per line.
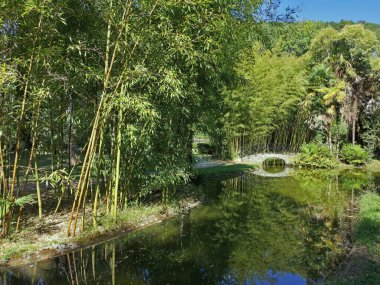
102 99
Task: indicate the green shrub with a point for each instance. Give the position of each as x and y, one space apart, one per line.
315 156
354 154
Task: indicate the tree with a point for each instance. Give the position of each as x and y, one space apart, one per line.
350 54
261 107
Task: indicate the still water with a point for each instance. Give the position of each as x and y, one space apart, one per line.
249 230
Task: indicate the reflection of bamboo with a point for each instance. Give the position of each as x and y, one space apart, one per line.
330 187
64 270
241 183
71 272
113 263
93 256
34 272
83 267
75 268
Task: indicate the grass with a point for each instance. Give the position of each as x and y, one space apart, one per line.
374 166
14 251
21 247
226 168
131 218
368 228
366 243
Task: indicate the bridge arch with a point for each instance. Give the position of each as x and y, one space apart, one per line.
261 157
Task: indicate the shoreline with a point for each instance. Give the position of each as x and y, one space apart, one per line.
360 265
92 238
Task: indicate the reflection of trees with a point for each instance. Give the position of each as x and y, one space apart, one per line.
327 217
260 228
251 225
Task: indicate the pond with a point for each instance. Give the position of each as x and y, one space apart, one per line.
249 230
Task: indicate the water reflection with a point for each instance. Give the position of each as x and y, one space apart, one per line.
274 165
250 230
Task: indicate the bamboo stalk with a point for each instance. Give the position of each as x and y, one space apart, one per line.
38 190
97 191
117 172
19 125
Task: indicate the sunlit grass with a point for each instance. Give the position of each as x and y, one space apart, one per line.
374 166
368 228
225 169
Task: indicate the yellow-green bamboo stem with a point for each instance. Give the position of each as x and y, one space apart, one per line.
97 191
38 189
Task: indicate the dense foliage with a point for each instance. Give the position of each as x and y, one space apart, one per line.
309 82
354 154
315 156
258 109
101 99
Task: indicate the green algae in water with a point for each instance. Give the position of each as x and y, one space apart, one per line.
249 230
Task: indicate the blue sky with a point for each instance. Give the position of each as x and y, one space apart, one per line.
336 10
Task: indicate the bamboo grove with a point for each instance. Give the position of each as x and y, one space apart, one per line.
100 99
310 82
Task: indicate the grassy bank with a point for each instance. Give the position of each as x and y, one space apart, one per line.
368 227
227 168
363 264
47 238
374 166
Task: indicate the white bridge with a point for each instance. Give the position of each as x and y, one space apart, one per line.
255 159
261 157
